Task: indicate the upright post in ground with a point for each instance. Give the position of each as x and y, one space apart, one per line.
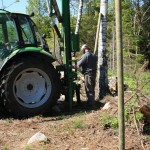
97 33
67 50
118 14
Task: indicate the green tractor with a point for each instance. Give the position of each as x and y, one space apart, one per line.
29 83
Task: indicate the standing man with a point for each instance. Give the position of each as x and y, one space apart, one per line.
88 64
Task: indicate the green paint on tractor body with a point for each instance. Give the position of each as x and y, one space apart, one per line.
18 34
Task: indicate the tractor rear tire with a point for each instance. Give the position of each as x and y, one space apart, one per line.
30 87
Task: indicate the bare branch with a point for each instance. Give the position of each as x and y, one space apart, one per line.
147 19
145 13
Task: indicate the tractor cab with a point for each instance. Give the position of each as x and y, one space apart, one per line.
17 31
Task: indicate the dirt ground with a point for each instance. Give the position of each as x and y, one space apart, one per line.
77 130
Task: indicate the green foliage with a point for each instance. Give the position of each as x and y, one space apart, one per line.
105 119
89 20
128 110
145 79
80 113
129 79
126 115
139 116
60 117
41 18
135 27
67 127
10 120
5 148
140 58
27 147
114 122
109 121
88 30
78 123
148 136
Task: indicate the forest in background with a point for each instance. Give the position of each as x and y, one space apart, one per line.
135 21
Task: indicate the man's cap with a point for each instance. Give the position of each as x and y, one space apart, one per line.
84 46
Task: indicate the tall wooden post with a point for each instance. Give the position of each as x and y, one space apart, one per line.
118 14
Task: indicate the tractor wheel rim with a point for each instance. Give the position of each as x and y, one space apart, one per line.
32 87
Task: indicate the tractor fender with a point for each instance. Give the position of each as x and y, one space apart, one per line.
36 52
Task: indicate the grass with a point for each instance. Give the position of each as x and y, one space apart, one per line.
78 123
139 116
80 113
66 126
27 147
10 120
131 79
145 79
114 122
60 117
148 136
5 148
68 114
107 121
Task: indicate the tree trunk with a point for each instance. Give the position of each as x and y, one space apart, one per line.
102 61
79 16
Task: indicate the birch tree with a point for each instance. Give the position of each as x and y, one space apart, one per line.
102 61
79 16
